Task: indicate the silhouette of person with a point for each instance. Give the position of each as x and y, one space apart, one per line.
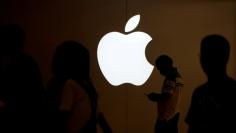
21 88
73 100
167 100
211 109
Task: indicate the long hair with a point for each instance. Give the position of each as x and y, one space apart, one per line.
71 60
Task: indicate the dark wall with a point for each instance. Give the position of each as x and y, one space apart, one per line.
176 29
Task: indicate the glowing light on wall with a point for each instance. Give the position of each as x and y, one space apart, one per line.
122 58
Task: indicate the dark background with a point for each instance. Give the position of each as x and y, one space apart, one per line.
176 29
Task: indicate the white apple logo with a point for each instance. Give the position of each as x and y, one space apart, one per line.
122 57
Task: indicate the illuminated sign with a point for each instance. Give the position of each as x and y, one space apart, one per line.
121 57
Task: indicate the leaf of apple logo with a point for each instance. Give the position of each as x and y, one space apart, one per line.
122 58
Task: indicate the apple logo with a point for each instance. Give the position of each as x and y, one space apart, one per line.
122 58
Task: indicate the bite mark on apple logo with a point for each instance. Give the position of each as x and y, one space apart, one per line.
121 57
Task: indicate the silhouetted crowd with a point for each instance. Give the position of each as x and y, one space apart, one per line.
70 103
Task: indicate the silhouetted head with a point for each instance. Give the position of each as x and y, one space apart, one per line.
71 60
164 64
214 55
12 39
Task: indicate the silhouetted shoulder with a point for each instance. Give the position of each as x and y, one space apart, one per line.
226 85
211 106
24 58
200 90
232 82
72 93
198 95
29 67
229 90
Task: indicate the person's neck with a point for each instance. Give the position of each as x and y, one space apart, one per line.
217 77
172 73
